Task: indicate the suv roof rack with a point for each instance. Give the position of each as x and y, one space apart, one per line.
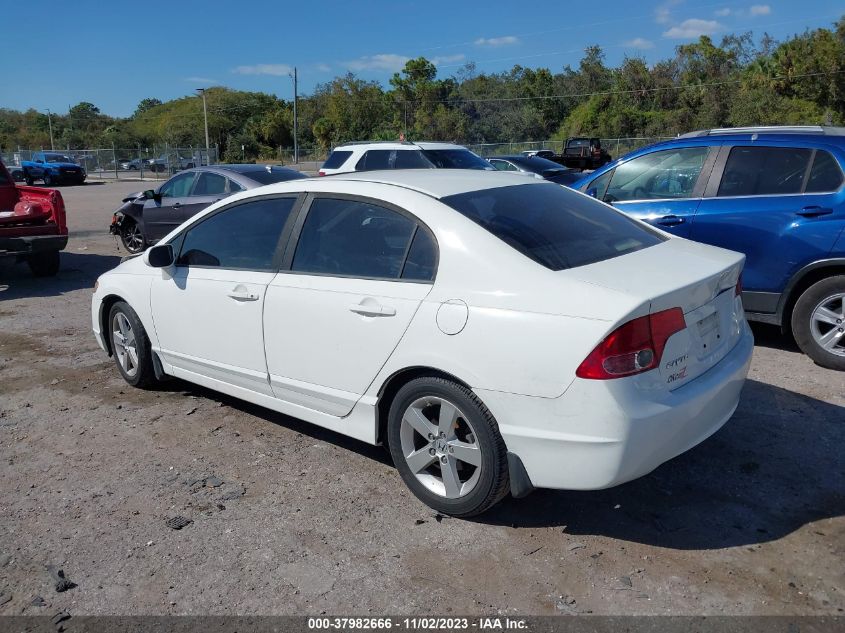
770 129
374 143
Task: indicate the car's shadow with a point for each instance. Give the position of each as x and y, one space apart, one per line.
77 270
776 466
771 336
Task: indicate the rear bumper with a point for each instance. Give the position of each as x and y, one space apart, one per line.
600 434
30 244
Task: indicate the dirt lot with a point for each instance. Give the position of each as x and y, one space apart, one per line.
288 518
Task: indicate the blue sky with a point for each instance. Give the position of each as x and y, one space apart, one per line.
116 52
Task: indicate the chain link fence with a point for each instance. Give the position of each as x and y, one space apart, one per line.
158 162
616 147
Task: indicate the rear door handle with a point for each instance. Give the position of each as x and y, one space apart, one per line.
814 212
372 309
669 220
243 295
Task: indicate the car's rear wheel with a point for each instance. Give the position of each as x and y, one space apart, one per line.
48 180
818 322
447 447
132 237
130 346
44 264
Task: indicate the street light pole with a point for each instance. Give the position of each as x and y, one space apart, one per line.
205 114
50 123
295 123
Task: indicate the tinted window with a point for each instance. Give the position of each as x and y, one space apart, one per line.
825 174
538 164
336 159
422 257
178 186
758 171
352 238
209 184
455 159
392 159
600 184
275 174
502 165
670 173
554 226
234 187
243 236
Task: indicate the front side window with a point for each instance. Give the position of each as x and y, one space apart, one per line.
825 175
353 238
600 184
209 184
245 236
178 186
552 225
670 173
763 171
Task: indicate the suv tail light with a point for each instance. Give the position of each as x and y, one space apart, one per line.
321 173
632 348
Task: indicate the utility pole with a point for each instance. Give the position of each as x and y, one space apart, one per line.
205 114
50 123
295 122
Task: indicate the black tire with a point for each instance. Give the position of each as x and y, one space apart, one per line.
130 233
493 478
144 373
44 264
48 180
28 179
827 291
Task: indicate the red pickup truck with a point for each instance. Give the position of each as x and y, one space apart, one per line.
33 225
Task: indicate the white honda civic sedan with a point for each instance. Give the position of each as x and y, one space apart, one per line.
497 335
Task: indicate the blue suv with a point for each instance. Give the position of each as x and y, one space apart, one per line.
773 193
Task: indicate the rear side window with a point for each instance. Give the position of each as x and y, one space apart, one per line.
243 236
392 159
554 226
353 238
761 171
209 184
336 159
825 175
422 257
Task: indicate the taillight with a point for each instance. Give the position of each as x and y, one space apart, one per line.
321 173
633 347
738 287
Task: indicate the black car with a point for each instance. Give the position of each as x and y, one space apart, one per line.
542 167
147 216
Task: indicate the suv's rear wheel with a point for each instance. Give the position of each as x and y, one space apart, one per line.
132 237
447 447
130 346
44 264
818 322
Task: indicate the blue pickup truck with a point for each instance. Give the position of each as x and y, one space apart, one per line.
57 168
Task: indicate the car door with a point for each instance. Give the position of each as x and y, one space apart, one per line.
164 213
782 206
345 297
209 187
207 308
662 187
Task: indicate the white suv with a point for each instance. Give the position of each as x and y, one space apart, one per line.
371 155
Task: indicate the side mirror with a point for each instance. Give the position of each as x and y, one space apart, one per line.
593 192
160 256
150 194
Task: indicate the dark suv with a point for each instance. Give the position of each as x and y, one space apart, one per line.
773 193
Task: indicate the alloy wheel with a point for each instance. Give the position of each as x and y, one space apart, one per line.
440 447
132 238
124 344
827 324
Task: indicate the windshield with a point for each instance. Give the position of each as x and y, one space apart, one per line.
456 159
58 158
556 227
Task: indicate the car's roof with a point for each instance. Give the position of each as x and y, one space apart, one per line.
407 145
439 145
437 183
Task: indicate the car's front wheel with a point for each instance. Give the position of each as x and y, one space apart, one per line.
447 447
132 238
818 322
130 346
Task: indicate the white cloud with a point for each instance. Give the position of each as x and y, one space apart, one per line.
760 9
448 59
722 12
200 80
505 40
385 61
276 70
692 28
663 11
639 43
323 68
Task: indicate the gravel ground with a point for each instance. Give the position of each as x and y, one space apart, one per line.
288 518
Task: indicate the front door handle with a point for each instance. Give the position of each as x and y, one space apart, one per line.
814 212
239 294
372 309
177 205
669 220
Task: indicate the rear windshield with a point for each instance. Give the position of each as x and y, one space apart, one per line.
456 159
276 175
336 159
554 226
